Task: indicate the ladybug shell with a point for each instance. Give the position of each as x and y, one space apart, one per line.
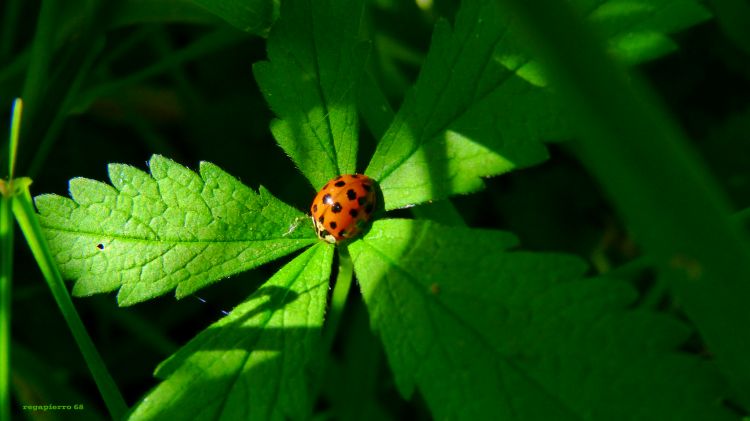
342 207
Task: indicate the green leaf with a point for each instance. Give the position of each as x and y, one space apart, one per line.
147 234
468 116
260 361
516 336
315 64
478 108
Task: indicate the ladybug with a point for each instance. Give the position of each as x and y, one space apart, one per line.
342 207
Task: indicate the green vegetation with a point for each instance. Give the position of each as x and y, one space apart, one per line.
497 280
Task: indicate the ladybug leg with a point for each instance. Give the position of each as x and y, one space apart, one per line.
293 226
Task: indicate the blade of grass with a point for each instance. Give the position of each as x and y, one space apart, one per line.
666 195
6 260
15 129
23 210
6 270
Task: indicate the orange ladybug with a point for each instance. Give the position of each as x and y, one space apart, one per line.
342 207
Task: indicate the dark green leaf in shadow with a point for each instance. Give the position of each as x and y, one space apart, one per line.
497 334
260 361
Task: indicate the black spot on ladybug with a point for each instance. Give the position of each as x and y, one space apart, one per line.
367 187
100 246
327 200
351 194
336 208
362 200
341 183
333 225
321 219
315 207
368 209
353 213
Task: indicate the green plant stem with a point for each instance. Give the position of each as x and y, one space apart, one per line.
340 293
15 130
23 209
664 193
6 272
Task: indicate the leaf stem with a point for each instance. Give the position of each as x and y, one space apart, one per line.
340 293
23 210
